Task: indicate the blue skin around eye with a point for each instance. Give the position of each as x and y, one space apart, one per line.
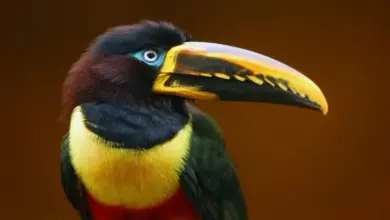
161 55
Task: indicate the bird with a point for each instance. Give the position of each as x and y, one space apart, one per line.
137 147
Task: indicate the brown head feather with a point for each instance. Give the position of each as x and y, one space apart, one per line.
105 72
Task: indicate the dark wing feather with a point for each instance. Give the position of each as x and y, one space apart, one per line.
209 179
72 187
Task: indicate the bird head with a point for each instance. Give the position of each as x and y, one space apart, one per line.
121 66
157 64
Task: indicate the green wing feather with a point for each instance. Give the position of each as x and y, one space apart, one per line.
209 180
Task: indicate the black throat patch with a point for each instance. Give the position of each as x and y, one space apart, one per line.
131 126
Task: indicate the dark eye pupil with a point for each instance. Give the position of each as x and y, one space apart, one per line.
151 55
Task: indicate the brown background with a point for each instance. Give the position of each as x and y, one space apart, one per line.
293 163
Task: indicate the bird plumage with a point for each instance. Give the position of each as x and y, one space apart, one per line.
208 180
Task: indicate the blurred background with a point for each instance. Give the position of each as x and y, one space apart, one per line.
293 163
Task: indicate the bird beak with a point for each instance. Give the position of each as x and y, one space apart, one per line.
209 71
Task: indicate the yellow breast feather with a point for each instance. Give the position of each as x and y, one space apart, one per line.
127 177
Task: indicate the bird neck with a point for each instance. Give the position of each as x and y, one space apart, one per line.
133 126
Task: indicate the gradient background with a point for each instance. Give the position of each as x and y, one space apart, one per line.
293 163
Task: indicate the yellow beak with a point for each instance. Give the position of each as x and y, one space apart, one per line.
210 71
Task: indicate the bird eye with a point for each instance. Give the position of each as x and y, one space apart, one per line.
153 57
150 56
